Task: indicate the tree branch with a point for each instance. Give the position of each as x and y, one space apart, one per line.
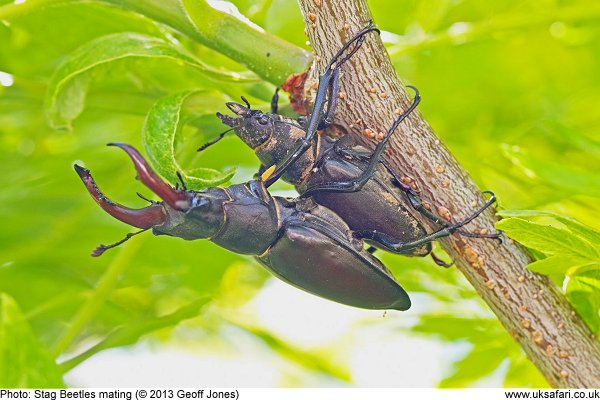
531 308
269 56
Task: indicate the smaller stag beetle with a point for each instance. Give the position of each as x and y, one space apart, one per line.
340 174
349 179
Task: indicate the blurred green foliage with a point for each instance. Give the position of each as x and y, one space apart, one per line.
511 87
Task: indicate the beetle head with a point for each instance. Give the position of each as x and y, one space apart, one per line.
252 126
186 214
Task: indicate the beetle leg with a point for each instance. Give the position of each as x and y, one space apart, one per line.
391 243
177 199
413 198
141 196
481 235
357 183
305 142
439 261
140 218
332 101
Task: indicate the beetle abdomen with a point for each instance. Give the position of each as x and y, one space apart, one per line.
317 262
378 206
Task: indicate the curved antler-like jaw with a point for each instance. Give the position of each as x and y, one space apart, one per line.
177 199
143 218
239 109
188 215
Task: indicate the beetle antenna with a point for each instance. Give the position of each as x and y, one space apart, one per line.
180 177
215 140
98 251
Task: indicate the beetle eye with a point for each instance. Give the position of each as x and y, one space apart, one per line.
263 119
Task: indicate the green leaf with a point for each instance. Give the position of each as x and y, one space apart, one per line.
582 290
159 134
522 373
130 334
571 223
557 264
478 363
568 179
451 328
318 363
547 239
68 87
24 362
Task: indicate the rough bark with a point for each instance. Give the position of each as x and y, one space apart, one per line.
530 306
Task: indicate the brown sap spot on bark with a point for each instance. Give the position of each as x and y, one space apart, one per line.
564 374
523 308
368 133
294 85
563 354
472 257
444 213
